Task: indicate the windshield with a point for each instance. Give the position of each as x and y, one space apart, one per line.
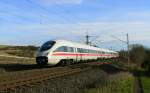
47 45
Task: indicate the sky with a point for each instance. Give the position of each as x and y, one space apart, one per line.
33 22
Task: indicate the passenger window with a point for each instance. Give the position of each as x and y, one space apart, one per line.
61 49
70 49
103 52
79 50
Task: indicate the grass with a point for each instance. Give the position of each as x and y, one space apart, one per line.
144 79
13 60
3 46
119 83
145 84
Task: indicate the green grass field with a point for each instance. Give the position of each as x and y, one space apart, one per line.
145 84
120 83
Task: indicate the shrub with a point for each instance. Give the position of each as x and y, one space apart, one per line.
137 54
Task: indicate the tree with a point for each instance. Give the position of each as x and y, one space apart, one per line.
137 54
146 63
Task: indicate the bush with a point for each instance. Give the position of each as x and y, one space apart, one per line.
137 54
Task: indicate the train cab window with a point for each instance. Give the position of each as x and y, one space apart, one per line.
48 45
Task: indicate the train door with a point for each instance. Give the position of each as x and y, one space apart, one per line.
77 58
78 54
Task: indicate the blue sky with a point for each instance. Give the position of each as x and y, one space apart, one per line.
32 22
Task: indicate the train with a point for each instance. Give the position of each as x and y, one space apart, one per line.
60 52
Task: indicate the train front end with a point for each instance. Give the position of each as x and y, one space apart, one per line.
43 53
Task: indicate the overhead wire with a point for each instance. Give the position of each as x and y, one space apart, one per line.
67 19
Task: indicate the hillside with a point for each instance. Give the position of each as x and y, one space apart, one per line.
21 51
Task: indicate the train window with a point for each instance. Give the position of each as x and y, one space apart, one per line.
87 51
48 45
70 49
95 52
61 49
99 52
84 50
90 51
80 50
65 49
103 52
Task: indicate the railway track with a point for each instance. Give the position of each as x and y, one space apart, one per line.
28 78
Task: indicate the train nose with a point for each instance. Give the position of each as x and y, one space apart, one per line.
41 60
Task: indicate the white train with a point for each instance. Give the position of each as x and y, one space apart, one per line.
66 52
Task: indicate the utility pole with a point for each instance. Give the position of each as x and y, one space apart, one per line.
87 39
128 46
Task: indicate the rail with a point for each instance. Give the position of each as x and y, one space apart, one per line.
28 78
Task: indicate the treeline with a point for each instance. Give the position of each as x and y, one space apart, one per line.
139 55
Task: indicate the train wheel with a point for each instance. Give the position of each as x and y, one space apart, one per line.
63 62
67 62
71 62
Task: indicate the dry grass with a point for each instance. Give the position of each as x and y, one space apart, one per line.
14 60
8 64
22 51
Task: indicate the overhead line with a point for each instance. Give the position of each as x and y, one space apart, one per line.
38 5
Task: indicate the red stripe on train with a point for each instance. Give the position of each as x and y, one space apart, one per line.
77 54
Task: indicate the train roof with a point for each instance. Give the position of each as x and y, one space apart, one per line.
81 45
